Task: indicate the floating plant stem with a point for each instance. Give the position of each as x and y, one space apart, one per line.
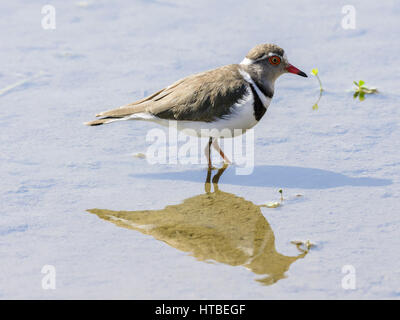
275 204
314 72
281 192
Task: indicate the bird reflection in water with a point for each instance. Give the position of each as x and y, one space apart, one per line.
213 226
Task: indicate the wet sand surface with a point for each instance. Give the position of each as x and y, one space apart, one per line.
115 226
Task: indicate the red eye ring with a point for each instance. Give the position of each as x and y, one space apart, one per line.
274 60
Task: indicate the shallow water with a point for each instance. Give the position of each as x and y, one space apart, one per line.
213 226
343 159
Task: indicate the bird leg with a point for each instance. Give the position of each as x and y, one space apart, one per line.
218 175
207 185
207 152
222 154
215 179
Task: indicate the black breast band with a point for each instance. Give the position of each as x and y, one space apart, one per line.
259 109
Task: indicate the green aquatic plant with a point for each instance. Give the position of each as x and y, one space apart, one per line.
360 90
314 72
303 246
275 204
272 204
140 155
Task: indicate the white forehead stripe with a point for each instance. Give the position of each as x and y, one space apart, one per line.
265 100
247 61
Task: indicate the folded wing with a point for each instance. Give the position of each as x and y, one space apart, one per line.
200 97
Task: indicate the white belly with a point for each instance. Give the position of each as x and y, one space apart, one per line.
241 119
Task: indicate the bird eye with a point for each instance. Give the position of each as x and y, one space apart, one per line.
274 60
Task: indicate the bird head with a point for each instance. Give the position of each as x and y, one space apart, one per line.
269 62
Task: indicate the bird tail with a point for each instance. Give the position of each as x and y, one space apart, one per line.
99 122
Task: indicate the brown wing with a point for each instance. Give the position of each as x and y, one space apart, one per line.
201 97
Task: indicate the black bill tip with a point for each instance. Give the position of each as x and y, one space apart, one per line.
303 74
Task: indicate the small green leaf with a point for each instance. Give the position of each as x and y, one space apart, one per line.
362 96
314 71
355 95
315 106
361 82
355 83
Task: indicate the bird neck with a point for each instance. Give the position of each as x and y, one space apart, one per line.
261 78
